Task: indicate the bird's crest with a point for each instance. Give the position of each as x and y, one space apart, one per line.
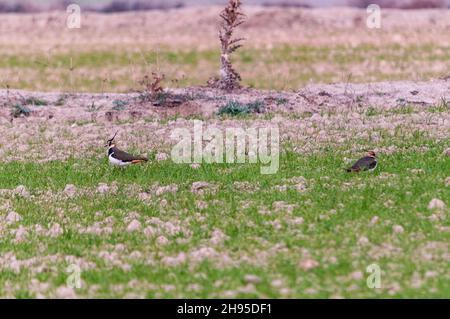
111 140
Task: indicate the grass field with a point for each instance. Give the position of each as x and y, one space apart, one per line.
285 49
310 230
283 68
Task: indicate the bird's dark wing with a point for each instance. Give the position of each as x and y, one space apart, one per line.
365 163
125 157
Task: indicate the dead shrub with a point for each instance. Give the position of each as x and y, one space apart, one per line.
231 18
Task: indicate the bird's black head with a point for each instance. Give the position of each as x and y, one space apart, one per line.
110 142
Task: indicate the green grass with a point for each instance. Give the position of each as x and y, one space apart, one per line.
35 101
442 106
282 67
235 108
337 208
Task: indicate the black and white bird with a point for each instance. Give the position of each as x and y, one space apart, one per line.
121 158
367 163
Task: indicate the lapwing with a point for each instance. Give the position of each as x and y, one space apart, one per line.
367 163
121 158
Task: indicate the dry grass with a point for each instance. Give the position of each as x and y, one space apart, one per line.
285 48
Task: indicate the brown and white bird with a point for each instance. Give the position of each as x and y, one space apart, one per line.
121 158
367 163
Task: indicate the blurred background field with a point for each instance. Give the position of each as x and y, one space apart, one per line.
23 5
285 48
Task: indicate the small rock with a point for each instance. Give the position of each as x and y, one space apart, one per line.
198 187
374 220
120 247
65 293
436 204
133 226
135 255
447 152
397 229
252 279
308 264
172 188
277 283
298 220
363 241
162 157
70 190
55 230
102 188
357 275
218 237
149 231
447 182
433 218
22 191
161 240
13 217
163 203
201 205
21 234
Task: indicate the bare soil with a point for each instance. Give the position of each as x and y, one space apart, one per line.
311 117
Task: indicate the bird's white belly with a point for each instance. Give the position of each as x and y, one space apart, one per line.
116 162
371 170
